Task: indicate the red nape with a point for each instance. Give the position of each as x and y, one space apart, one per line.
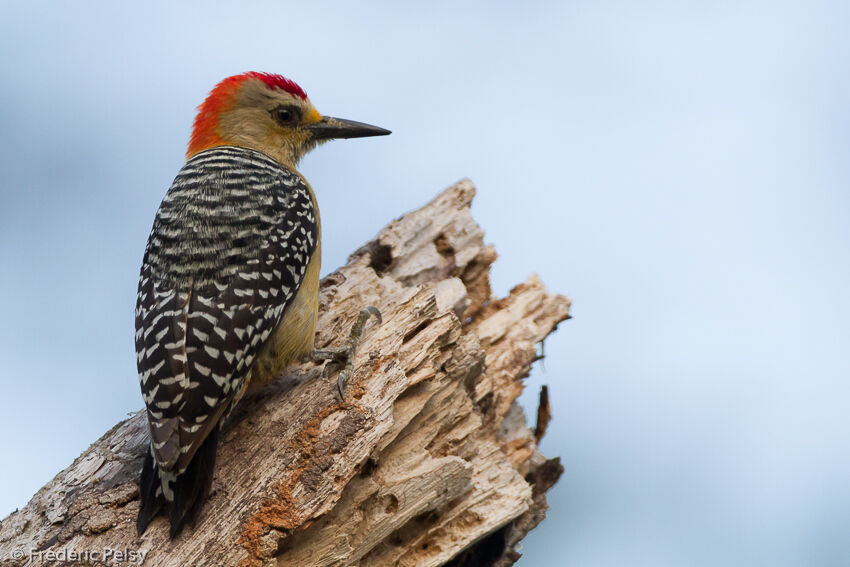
220 99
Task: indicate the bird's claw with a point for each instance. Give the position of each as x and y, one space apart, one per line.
346 352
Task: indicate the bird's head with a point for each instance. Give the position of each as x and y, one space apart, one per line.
268 113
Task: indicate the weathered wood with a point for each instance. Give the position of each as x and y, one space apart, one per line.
428 461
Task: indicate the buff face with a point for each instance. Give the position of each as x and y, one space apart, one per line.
271 114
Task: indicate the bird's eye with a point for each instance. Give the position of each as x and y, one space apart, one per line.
285 115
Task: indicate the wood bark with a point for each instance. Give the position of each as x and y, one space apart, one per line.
428 461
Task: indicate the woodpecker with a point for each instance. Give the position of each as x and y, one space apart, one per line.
228 289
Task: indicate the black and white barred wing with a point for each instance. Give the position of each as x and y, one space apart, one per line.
195 358
209 299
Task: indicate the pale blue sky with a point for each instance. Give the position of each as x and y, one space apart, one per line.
680 169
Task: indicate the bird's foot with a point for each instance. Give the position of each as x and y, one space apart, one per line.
344 355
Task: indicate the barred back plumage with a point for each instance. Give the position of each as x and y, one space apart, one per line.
222 210
226 255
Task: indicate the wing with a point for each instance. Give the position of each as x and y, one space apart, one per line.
227 254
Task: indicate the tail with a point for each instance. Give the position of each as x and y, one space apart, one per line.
181 495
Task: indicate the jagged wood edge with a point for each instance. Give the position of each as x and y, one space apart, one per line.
304 479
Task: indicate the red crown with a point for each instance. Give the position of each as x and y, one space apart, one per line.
273 80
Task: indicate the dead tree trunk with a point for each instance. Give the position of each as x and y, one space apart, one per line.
428 461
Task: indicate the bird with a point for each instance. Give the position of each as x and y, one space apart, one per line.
228 287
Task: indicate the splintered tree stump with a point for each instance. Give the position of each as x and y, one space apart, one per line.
428 461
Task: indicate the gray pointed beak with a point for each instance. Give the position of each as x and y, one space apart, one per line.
330 128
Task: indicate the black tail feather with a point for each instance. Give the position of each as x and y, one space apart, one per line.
150 502
190 489
193 486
